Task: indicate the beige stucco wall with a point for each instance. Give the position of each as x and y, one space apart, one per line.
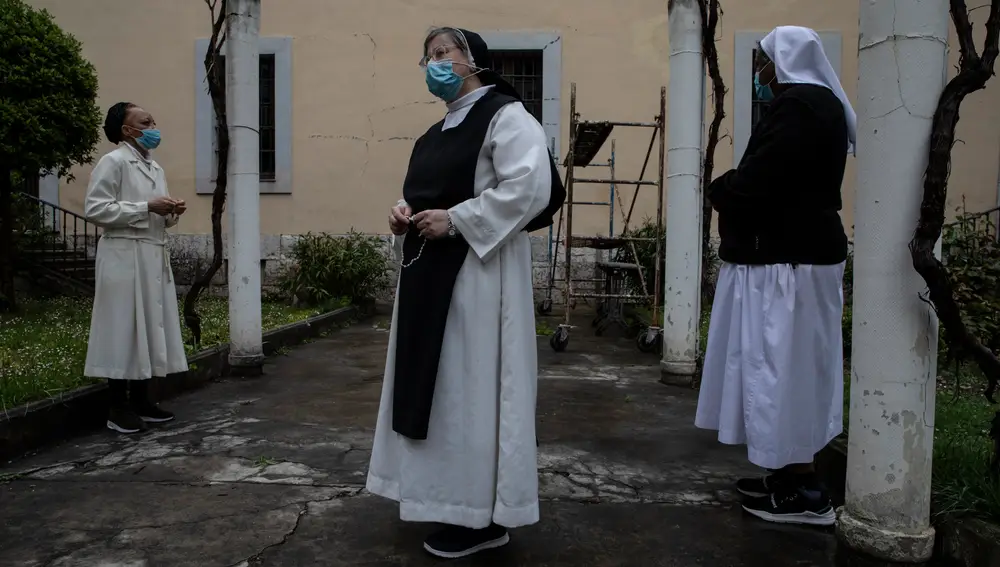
359 97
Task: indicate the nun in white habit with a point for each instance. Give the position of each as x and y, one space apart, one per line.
455 437
135 330
773 374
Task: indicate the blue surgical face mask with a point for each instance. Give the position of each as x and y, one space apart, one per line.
442 80
149 138
764 92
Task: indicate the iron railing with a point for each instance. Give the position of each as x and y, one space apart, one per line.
53 238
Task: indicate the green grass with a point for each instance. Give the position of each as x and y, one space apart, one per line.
43 347
962 452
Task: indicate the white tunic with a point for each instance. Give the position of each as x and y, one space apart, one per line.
774 366
479 461
135 330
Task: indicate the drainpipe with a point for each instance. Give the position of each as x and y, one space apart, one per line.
682 277
895 334
246 356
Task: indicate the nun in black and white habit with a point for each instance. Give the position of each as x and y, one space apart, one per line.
455 439
773 374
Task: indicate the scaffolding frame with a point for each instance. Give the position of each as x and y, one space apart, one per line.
586 138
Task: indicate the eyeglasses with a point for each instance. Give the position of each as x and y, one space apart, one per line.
440 52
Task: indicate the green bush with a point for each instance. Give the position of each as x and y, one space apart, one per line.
328 268
645 255
847 319
972 255
29 227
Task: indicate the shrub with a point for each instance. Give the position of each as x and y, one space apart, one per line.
972 254
645 254
328 268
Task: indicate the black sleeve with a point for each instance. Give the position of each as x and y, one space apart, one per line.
779 139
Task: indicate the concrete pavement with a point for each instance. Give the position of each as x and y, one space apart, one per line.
270 472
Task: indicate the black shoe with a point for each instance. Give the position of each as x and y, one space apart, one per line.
455 541
151 413
794 505
125 421
761 486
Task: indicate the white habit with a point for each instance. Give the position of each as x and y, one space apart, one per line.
135 330
774 368
479 461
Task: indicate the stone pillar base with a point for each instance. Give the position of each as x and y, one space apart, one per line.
246 366
678 373
883 544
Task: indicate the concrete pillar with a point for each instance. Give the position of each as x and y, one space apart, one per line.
243 103
682 277
902 70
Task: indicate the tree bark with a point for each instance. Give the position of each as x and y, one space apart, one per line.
974 72
711 11
8 301
216 90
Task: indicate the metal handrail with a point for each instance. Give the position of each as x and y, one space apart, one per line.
966 217
62 240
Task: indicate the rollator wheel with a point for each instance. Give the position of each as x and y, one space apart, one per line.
650 340
544 307
559 339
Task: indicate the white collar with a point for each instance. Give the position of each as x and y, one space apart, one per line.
469 99
147 160
458 109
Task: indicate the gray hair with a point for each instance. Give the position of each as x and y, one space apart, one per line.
456 36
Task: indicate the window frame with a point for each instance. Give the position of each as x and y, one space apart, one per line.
205 144
550 44
745 43
221 68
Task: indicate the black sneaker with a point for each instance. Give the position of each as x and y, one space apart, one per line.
125 421
454 542
151 413
760 486
794 505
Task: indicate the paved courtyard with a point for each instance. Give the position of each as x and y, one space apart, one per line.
270 472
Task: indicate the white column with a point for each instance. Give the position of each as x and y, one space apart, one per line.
243 103
682 277
902 55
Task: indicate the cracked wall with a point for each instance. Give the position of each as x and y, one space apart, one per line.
359 98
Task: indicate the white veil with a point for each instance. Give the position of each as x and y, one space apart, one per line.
799 58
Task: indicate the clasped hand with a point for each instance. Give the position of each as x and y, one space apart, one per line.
432 224
164 206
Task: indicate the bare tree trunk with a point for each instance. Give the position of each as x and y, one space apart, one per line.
7 297
711 11
216 86
974 72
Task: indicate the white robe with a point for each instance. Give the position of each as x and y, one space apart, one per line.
135 330
774 366
479 461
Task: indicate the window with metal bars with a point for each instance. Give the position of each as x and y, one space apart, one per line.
523 70
267 128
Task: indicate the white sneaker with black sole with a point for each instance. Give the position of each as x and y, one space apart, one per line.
794 505
455 542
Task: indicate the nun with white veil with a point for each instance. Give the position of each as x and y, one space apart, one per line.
773 373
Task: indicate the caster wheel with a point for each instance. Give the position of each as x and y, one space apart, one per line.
649 340
544 307
559 339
